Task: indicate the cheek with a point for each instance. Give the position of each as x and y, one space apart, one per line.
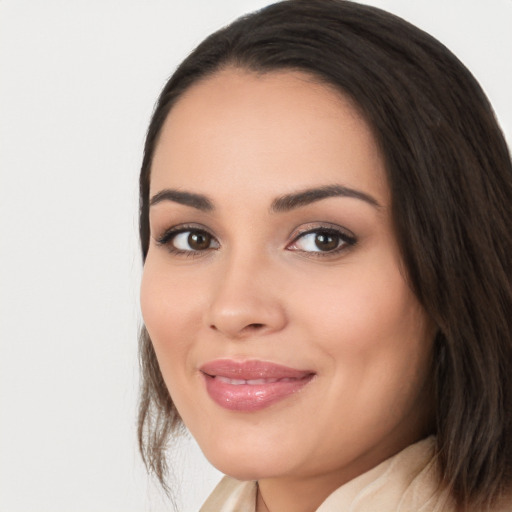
170 311
378 341
373 330
357 308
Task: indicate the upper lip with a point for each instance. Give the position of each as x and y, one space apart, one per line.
252 369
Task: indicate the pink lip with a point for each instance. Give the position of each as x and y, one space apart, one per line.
267 383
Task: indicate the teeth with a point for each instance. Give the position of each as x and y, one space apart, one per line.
260 381
235 382
251 382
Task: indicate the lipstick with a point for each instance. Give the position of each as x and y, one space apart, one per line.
251 385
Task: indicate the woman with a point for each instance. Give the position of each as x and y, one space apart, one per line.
325 210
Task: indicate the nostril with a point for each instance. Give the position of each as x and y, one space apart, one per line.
248 328
244 330
254 326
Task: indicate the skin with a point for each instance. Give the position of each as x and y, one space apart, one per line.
261 291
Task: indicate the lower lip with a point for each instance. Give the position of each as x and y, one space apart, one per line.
252 397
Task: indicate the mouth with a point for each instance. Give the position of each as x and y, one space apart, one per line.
252 385
250 382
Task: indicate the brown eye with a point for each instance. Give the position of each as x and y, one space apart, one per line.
327 241
189 240
199 240
323 241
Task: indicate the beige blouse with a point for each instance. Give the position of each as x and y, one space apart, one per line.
406 482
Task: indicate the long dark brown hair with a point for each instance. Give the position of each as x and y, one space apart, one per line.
450 176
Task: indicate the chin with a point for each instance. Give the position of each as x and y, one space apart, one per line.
237 467
246 465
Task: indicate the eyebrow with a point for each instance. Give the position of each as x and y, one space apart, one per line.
198 201
281 204
304 197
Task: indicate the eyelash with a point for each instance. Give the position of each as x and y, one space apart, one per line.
169 235
346 240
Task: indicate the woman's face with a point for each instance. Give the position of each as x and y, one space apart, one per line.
273 289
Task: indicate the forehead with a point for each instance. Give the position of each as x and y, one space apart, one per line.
272 129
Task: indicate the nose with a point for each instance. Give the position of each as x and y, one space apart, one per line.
246 300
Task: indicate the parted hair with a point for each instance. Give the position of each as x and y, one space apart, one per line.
450 176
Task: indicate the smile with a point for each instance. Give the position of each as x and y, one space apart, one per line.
251 382
251 385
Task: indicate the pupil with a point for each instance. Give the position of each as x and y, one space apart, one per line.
199 241
326 242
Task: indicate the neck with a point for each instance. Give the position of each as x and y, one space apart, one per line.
261 506
293 496
306 494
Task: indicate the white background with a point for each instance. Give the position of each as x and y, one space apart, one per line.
78 80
